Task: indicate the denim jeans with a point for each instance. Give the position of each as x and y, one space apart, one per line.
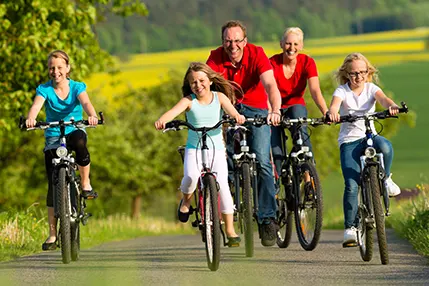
294 111
259 143
350 164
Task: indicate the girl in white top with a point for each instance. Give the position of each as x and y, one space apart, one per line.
205 93
358 95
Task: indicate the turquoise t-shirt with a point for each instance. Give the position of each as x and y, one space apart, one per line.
205 115
57 109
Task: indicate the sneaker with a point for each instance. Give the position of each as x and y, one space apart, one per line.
392 189
350 237
268 232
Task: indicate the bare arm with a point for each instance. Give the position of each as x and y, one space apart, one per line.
316 94
230 109
180 107
335 108
386 102
274 97
34 110
88 107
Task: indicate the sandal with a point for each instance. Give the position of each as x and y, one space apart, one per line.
89 194
183 217
234 241
46 246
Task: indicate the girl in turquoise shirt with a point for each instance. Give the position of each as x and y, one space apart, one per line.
63 98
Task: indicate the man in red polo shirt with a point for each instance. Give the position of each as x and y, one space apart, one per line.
246 64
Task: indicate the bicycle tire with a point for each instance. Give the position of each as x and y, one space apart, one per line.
75 225
211 222
247 209
365 228
309 207
63 204
378 214
285 215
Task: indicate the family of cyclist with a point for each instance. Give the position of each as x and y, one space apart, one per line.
241 80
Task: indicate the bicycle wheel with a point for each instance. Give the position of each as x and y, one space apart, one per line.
308 210
366 225
247 209
75 223
211 222
63 203
378 213
284 215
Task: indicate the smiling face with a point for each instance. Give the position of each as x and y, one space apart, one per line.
291 45
234 42
200 83
357 73
58 69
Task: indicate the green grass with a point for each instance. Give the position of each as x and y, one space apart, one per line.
22 233
410 83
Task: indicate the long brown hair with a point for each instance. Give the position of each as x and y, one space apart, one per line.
229 88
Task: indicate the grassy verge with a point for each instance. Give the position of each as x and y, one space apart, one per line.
411 220
22 233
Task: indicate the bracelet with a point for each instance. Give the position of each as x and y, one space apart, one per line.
278 113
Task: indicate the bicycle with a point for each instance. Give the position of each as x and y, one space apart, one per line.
301 191
69 204
372 188
245 172
207 216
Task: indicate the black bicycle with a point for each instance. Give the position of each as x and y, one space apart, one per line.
245 170
69 204
371 210
207 215
300 192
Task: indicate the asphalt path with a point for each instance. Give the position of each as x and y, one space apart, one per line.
180 260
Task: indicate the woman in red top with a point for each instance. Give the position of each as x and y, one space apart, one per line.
293 71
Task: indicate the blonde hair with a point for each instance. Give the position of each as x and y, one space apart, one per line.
293 30
61 55
342 73
229 88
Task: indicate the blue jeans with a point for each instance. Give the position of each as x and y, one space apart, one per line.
350 164
294 111
259 143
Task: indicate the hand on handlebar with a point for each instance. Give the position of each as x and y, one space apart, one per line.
274 118
93 120
393 109
30 122
240 119
159 124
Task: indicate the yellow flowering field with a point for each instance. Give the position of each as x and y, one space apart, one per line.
146 70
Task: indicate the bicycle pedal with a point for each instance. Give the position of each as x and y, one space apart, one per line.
350 244
195 223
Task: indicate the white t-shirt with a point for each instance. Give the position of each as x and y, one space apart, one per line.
358 105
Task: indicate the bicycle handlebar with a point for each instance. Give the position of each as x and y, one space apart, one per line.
288 122
45 125
374 115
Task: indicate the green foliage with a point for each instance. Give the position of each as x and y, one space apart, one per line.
134 158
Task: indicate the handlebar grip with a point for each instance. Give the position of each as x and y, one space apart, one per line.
101 121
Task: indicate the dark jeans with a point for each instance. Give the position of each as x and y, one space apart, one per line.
75 141
259 143
350 164
293 112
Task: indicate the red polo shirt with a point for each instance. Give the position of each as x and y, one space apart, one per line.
292 89
254 63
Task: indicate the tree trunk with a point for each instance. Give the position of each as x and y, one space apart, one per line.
135 206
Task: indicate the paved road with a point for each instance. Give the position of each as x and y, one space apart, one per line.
180 260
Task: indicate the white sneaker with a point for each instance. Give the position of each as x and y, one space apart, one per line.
392 189
350 237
